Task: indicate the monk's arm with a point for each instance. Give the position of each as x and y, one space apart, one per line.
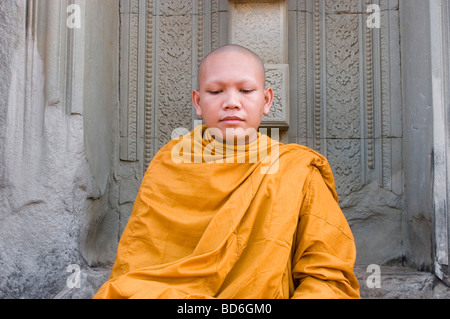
324 255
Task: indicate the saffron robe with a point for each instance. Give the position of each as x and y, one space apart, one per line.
250 225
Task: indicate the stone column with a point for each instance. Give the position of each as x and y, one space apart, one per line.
440 77
58 78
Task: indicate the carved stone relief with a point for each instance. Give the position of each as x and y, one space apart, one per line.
336 81
159 68
348 102
345 102
277 77
341 70
177 48
262 27
129 82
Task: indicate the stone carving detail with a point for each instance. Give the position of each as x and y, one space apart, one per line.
342 74
176 8
277 77
385 102
174 47
175 58
148 109
215 24
343 103
200 31
345 159
317 77
157 70
259 25
300 82
369 96
351 117
130 65
262 27
342 7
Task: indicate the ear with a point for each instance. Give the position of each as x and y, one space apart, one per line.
196 102
268 98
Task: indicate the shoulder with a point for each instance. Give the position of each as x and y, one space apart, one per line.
303 155
299 150
316 165
165 152
160 161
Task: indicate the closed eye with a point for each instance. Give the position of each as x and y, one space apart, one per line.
247 91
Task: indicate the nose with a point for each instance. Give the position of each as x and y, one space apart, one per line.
231 100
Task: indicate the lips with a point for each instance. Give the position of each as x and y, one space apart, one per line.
231 118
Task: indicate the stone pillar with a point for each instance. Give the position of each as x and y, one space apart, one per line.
425 30
440 76
418 132
57 80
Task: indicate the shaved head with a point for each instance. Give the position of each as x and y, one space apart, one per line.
233 48
232 97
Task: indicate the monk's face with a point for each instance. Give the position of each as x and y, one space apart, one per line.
232 97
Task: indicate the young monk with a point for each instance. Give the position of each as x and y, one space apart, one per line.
226 212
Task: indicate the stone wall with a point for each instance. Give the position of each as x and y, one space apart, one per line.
84 110
345 100
426 79
55 139
418 115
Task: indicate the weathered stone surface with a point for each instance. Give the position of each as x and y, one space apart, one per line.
402 283
50 200
374 215
90 280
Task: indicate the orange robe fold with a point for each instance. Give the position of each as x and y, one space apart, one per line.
252 222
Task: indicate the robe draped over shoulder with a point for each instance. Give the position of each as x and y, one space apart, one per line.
251 222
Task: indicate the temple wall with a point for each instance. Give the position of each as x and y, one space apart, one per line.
337 90
85 107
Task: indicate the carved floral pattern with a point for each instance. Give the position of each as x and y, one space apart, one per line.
275 79
258 25
345 160
176 30
343 102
